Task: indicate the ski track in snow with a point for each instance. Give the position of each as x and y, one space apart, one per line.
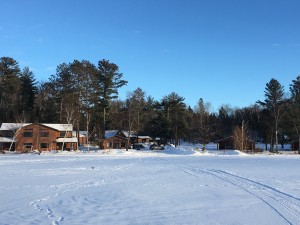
285 205
56 190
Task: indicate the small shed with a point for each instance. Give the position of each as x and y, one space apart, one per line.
143 139
229 143
83 137
226 143
114 139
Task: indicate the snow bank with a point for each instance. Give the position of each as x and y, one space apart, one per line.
185 149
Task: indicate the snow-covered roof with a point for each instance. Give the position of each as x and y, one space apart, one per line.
143 137
15 126
12 126
126 133
110 133
83 132
73 140
6 139
60 127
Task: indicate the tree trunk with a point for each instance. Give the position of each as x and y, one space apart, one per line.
299 144
276 140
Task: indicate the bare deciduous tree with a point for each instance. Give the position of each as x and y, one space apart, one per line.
241 138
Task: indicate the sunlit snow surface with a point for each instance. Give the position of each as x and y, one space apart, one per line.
175 186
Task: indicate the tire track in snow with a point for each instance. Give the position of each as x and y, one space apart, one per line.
285 205
103 176
275 199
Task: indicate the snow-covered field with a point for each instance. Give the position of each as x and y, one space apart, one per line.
175 186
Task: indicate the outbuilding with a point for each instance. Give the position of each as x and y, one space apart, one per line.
225 143
114 139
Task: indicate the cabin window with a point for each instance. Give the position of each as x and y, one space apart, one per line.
63 134
44 145
27 146
44 134
28 134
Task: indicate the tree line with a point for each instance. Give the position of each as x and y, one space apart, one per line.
86 95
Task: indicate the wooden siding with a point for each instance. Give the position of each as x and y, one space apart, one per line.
42 138
226 143
143 139
115 142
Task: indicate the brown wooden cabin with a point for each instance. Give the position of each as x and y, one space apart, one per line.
114 140
228 143
46 137
143 139
43 137
82 138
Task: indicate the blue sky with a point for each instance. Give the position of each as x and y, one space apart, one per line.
224 51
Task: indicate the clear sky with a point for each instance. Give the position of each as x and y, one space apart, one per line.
224 51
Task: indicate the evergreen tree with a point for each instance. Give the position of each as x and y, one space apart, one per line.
84 76
74 92
64 93
225 122
273 102
295 108
109 80
46 106
203 128
28 91
9 89
136 108
174 108
117 117
159 126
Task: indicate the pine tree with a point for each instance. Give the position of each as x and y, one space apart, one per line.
295 109
174 108
202 122
46 107
108 81
28 92
9 89
273 102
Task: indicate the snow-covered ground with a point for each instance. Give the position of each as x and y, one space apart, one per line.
174 186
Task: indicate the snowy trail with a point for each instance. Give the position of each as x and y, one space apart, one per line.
42 196
276 199
284 204
100 178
